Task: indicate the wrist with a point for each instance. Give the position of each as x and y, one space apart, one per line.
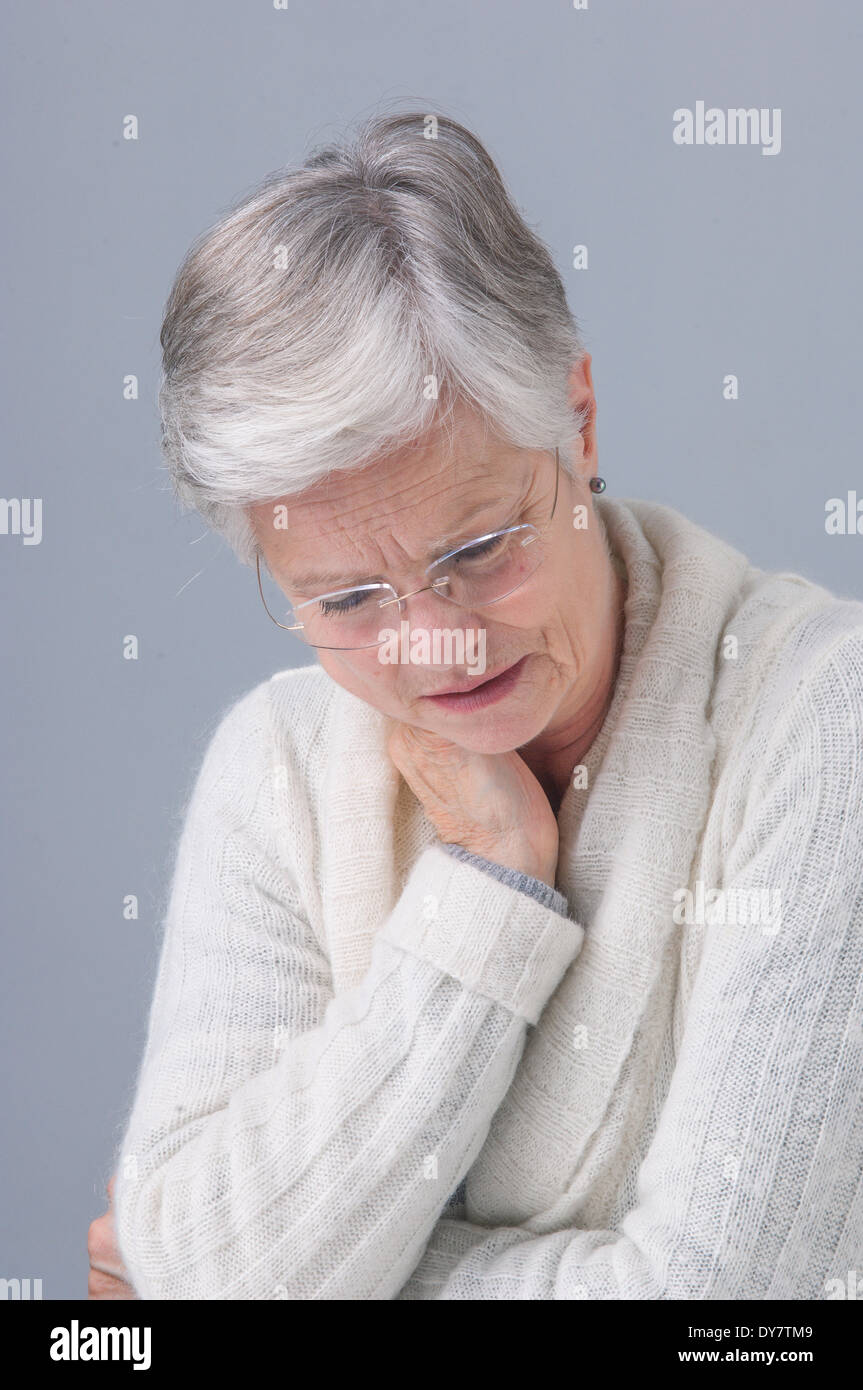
519 858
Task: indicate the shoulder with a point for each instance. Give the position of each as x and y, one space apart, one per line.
808 657
259 770
781 632
786 714
265 727
812 703
796 767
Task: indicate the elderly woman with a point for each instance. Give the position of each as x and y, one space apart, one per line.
515 949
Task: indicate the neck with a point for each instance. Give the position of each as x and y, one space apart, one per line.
553 756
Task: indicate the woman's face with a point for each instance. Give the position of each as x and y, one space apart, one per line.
386 523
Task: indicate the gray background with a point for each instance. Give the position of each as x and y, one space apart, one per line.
703 261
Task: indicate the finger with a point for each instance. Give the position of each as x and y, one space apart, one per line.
101 1285
427 739
411 736
112 1270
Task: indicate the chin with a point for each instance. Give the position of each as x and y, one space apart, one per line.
482 733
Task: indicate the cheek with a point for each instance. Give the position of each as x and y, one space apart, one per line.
343 674
538 620
525 613
561 632
375 681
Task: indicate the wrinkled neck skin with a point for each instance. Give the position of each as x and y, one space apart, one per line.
564 743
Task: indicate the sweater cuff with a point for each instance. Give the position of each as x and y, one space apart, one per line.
525 883
504 945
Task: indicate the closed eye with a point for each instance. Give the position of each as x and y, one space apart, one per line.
351 601
476 552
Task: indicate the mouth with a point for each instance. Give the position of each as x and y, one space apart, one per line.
470 696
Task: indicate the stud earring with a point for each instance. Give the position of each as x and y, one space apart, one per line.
597 485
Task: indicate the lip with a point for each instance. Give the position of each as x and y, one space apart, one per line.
474 696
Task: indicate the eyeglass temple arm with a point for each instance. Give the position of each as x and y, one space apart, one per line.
286 627
556 484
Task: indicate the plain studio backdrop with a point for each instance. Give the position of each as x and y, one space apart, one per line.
704 262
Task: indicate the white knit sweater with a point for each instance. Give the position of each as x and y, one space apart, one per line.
349 1020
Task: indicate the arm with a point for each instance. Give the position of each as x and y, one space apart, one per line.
285 1142
751 1188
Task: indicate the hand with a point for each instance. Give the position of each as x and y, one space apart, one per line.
107 1275
490 803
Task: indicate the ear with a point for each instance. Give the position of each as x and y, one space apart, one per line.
582 397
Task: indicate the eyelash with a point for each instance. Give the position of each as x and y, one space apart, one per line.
485 548
342 605
345 605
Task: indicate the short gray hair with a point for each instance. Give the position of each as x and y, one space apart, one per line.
343 309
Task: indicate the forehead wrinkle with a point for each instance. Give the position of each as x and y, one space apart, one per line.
372 523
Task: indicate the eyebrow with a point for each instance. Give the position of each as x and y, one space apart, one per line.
320 579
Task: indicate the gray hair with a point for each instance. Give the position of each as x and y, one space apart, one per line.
343 309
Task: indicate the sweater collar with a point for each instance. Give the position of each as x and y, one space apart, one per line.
627 843
682 586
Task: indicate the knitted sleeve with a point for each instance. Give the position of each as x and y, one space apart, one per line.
285 1141
751 1188
525 883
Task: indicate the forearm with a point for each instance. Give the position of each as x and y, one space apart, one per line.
324 1176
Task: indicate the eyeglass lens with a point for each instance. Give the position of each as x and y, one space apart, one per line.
474 575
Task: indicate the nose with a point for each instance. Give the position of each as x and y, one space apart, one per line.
438 586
